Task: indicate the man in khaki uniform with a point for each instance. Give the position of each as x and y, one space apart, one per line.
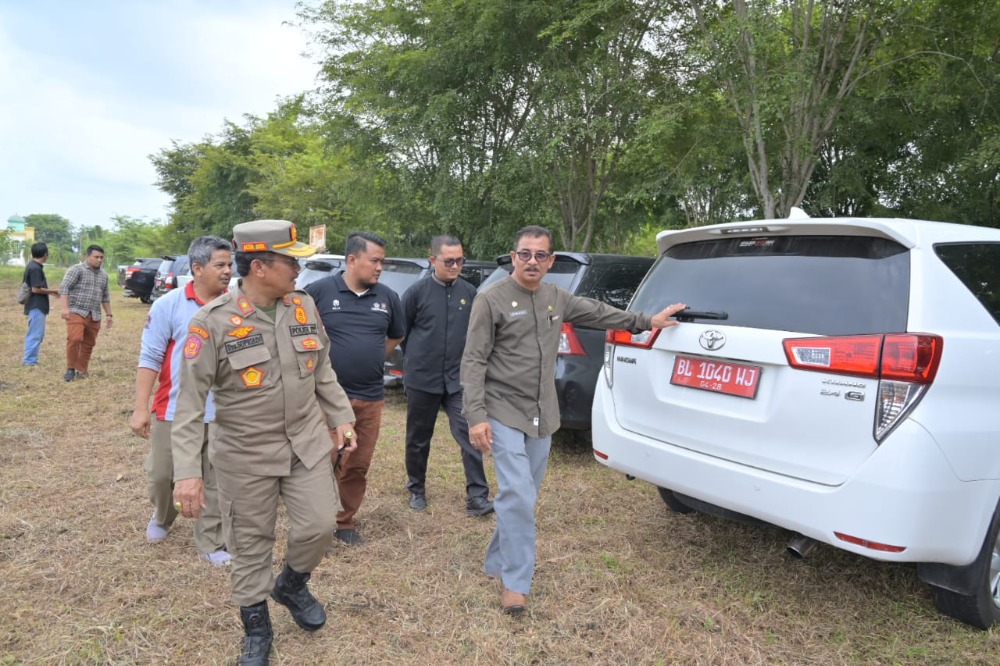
262 350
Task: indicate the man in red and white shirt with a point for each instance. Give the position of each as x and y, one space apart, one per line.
160 355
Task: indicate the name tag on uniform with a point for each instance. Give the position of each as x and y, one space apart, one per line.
303 329
255 340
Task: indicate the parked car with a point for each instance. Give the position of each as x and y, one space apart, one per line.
167 275
609 278
318 266
838 378
137 279
475 271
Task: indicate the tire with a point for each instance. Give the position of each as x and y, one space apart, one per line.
981 608
674 504
145 299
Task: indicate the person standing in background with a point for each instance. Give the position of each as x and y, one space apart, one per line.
161 355
436 312
365 322
37 306
84 290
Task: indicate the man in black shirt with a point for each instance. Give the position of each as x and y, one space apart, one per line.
436 311
364 321
37 306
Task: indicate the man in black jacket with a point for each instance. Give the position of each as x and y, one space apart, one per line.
436 315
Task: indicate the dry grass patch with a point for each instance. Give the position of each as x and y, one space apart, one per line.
620 580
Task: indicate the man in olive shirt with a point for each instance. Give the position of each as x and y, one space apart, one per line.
508 375
263 352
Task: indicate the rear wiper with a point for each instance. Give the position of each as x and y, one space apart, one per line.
688 314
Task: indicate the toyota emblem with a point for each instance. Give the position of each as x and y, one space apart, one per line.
712 340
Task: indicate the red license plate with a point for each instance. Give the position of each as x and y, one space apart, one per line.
716 376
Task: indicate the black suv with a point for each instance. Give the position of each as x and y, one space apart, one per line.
173 266
609 278
137 280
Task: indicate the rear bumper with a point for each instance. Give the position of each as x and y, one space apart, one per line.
575 380
905 494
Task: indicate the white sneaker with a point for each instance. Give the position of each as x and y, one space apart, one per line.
219 558
155 533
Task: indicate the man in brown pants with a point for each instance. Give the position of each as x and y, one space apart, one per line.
279 410
82 293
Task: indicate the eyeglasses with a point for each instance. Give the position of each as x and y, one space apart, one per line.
540 256
282 259
451 263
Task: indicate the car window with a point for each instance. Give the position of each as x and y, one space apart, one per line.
561 274
614 284
181 265
826 285
977 265
400 276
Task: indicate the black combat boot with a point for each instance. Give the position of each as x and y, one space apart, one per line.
257 642
290 590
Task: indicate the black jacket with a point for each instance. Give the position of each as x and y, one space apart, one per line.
436 319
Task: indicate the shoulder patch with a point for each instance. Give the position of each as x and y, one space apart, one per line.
244 304
198 330
192 346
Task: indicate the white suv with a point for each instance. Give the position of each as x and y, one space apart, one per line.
839 378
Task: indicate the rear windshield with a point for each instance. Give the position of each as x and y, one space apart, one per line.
561 274
977 265
399 277
825 285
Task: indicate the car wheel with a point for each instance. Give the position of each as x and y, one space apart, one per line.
981 608
146 299
674 504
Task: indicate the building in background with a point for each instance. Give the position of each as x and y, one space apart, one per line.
21 237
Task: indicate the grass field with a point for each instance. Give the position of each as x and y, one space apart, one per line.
620 579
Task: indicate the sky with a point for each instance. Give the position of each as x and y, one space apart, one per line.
90 88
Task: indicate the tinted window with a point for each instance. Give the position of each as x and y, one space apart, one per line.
399 277
561 274
181 265
614 284
977 265
827 285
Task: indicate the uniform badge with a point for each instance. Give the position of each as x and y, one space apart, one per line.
236 320
513 304
244 305
300 315
310 364
462 301
252 377
192 346
241 332
296 300
551 308
310 343
198 330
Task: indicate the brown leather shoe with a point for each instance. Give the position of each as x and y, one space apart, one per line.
513 603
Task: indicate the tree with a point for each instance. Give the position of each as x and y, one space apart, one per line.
787 68
56 232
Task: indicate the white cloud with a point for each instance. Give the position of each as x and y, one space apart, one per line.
87 104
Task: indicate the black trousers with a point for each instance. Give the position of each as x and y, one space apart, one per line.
421 415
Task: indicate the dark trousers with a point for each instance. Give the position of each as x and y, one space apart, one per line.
421 415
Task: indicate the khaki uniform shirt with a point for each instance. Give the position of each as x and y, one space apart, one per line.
509 364
275 391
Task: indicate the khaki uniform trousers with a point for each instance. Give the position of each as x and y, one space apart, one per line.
160 486
250 509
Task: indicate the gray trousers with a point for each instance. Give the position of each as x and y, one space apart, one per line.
160 487
250 506
520 463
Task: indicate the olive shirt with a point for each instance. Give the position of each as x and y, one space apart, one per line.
276 393
509 365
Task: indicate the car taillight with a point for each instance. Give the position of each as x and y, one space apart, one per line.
904 363
569 342
169 282
643 340
129 271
